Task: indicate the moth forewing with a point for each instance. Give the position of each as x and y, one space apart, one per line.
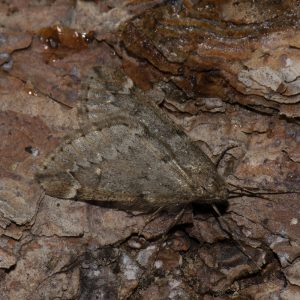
129 155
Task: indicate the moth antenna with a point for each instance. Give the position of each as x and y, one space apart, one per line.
229 232
240 191
240 188
233 195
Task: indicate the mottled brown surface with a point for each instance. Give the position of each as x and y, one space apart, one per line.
227 72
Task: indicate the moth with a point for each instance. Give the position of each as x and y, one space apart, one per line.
129 155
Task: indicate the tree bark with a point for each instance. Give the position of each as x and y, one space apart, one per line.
227 74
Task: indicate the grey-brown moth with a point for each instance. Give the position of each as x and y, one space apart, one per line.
129 154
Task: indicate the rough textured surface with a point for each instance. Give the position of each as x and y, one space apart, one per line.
226 72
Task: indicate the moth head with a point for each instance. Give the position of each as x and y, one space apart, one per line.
217 188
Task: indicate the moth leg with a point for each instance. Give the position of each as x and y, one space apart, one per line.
177 218
150 219
165 235
161 242
226 228
142 213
